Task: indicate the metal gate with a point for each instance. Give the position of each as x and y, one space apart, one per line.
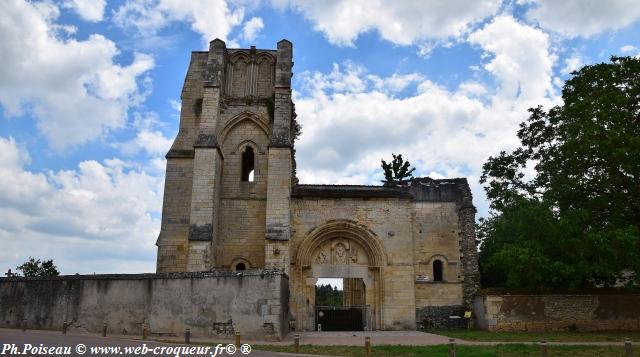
341 318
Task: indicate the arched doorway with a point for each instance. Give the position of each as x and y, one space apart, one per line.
339 249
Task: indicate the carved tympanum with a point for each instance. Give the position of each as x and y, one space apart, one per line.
340 251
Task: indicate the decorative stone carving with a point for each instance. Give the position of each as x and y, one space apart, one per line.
322 258
340 251
340 254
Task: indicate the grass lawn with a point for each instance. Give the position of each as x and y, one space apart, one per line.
513 350
562 336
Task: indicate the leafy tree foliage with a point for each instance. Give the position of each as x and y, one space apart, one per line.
576 222
328 295
34 268
397 170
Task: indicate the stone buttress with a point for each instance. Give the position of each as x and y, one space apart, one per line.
278 225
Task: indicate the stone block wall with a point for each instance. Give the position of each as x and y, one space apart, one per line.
204 208
242 213
390 220
253 302
445 220
438 294
440 317
244 133
172 242
560 312
241 233
278 215
398 298
436 232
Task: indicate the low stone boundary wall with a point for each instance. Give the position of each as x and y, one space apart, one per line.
557 312
441 317
253 302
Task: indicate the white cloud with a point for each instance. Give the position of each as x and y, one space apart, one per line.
584 17
396 82
209 18
472 88
90 10
350 120
152 142
149 138
176 105
144 16
252 28
101 217
337 80
425 49
571 64
345 134
628 49
520 59
74 88
400 22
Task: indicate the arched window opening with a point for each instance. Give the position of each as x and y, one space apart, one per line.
437 270
248 164
240 266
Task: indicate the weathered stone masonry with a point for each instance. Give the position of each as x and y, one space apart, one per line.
557 312
211 304
242 244
388 243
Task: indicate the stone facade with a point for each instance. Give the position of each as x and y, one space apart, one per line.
408 251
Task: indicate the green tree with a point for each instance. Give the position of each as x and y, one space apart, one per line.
397 170
35 268
576 222
328 295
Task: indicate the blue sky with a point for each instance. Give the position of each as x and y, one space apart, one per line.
90 99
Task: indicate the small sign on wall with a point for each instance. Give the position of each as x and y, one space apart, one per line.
422 279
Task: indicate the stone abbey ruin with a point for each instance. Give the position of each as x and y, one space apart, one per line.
232 202
242 244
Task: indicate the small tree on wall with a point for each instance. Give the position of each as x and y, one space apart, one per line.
397 170
34 268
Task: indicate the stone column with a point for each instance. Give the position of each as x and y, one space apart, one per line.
278 219
207 166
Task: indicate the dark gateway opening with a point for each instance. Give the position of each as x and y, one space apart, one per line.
338 308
